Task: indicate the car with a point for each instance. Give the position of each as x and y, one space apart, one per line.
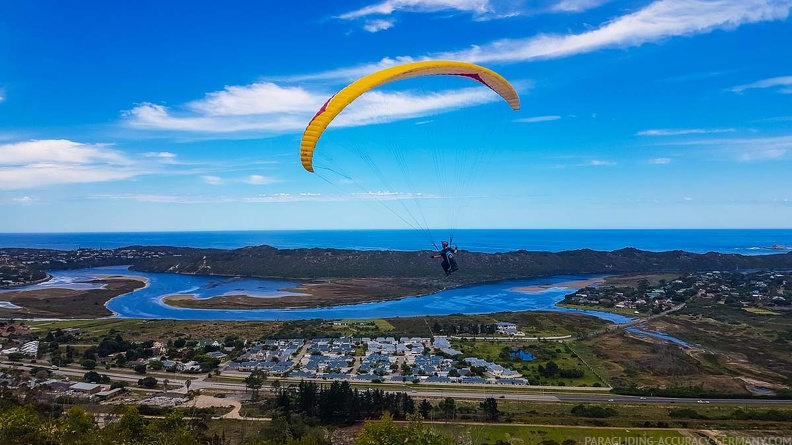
220 396
610 400
643 398
414 391
502 397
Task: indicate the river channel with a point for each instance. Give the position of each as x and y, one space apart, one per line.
147 302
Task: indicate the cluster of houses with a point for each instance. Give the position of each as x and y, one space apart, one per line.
381 359
28 349
745 288
14 273
46 258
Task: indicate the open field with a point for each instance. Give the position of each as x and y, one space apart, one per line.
532 323
134 329
633 280
534 434
626 361
544 352
614 310
541 323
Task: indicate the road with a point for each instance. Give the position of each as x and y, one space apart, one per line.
473 392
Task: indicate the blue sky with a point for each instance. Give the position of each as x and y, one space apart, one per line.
151 116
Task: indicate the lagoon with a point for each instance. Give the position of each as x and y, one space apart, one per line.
480 299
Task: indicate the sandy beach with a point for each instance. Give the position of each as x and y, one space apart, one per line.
578 284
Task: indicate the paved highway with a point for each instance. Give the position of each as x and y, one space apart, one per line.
200 382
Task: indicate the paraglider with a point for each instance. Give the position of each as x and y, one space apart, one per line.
346 96
449 263
472 158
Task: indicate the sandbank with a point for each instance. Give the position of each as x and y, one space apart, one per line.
578 284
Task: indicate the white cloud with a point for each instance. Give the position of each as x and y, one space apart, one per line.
378 25
538 119
373 107
576 5
2 94
660 161
599 163
659 20
23 200
57 150
159 154
387 7
212 180
683 131
785 84
40 163
256 98
158 117
273 198
747 149
259 180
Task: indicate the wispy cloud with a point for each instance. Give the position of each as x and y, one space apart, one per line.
746 149
378 25
159 154
40 163
576 5
273 198
2 94
477 8
289 109
212 180
659 161
683 131
259 180
599 163
23 200
659 20
784 85
538 119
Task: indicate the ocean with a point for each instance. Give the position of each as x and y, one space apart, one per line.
739 241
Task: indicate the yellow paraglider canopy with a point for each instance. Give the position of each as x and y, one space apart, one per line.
340 100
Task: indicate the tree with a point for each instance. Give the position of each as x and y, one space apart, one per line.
490 408
148 382
21 426
92 377
424 408
141 368
385 432
76 427
448 407
88 363
255 381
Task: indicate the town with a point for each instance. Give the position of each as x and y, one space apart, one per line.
758 290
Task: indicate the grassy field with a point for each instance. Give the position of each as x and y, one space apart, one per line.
141 330
614 310
534 434
541 323
544 352
760 311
